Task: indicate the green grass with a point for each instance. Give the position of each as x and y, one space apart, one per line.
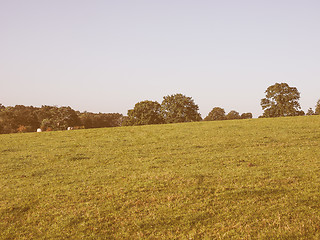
242 179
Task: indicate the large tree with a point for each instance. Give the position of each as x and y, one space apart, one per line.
58 118
281 100
233 115
246 115
216 113
179 108
144 113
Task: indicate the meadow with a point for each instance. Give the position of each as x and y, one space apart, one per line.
238 179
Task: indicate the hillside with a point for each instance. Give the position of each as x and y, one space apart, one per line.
237 179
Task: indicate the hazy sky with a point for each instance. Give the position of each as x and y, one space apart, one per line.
105 56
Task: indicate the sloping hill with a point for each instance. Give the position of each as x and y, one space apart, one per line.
239 179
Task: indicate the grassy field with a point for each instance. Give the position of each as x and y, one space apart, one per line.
242 179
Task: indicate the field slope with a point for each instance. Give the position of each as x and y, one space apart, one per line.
242 179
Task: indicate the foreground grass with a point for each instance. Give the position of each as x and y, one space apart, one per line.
243 179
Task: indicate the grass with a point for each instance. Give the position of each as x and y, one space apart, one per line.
242 179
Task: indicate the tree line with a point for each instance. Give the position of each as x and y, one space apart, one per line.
175 108
22 118
281 100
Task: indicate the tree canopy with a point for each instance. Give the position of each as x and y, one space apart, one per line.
233 115
100 120
246 115
310 112
281 100
143 113
11 118
216 113
179 108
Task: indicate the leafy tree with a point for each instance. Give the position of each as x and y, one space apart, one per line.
46 112
144 113
317 110
86 119
300 113
281 100
179 108
310 112
6 125
246 115
14 117
66 117
233 115
47 124
99 120
25 116
216 113
57 118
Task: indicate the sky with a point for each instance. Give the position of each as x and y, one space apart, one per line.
105 56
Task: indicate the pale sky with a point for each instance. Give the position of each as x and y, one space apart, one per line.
105 56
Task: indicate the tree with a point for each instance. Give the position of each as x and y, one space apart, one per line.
310 112
246 115
281 100
216 113
179 108
100 120
233 115
86 119
66 117
144 113
317 110
14 117
58 118
47 124
300 113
